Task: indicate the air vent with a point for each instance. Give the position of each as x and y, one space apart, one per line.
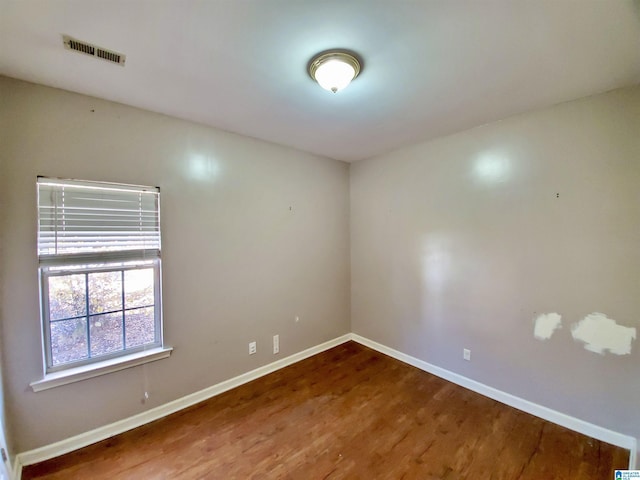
93 50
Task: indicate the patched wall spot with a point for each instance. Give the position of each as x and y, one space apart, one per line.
600 333
546 324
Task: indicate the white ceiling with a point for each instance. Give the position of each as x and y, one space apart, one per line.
432 67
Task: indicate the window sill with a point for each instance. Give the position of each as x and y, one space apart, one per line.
52 380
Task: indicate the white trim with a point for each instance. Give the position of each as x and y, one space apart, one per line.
71 375
567 421
17 469
101 433
633 456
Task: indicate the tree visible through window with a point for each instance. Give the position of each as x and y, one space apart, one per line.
99 253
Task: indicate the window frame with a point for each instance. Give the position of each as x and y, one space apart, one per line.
121 260
74 268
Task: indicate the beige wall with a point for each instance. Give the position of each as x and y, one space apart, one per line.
254 234
463 241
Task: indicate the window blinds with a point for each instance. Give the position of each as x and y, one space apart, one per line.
77 217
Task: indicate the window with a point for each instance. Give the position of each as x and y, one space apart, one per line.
99 264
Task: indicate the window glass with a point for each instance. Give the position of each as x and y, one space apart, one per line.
67 297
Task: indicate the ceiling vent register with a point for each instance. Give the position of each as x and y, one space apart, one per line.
71 43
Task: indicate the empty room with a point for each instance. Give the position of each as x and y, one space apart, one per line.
285 239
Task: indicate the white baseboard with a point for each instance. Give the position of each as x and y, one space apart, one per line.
102 433
16 474
572 423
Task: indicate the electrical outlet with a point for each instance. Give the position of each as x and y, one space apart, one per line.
466 354
252 348
276 344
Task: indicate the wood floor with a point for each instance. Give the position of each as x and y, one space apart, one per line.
348 413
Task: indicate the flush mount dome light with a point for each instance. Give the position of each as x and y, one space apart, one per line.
334 70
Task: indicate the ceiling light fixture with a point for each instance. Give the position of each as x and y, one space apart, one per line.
334 69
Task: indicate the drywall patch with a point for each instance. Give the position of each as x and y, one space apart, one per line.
546 324
600 333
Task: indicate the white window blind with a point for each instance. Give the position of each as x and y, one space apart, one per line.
87 218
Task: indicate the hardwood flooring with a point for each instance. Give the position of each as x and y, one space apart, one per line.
348 413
